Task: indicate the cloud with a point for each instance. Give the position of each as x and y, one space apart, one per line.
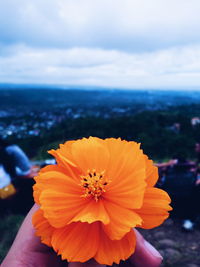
129 25
129 43
167 68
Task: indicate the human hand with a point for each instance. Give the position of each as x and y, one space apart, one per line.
27 250
172 162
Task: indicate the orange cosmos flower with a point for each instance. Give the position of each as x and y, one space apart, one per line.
90 201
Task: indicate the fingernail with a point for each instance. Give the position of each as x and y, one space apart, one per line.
152 250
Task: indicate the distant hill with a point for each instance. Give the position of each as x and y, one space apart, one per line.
34 97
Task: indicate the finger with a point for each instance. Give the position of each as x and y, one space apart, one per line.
26 238
27 249
145 254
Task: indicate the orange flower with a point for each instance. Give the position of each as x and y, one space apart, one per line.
90 201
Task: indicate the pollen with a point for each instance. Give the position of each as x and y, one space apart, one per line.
94 184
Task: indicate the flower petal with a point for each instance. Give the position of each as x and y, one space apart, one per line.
90 154
82 241
151 172
155 208
43 228
63 154
60 207
121 220
69 168
112 251
36 193
128 192
92 212
77 241
54 177
37 189
125 158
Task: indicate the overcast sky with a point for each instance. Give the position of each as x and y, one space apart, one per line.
110 43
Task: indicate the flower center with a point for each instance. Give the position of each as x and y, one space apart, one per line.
94 184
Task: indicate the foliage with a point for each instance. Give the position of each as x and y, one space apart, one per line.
154 129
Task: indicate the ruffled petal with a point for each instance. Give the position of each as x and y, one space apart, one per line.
77 241
128 192
90 154
37 188
69 167
155 208
54 177
60 207
112 251
43 229
151 173
36 193
121 220
125 158
92 212
63 154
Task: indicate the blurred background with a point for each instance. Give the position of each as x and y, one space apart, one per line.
129 69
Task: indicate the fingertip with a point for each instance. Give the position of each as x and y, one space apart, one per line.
145 254
153 255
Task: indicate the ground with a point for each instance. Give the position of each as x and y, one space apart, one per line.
179 249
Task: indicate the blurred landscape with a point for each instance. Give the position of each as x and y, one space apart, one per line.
166 123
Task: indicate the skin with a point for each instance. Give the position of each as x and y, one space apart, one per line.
27 250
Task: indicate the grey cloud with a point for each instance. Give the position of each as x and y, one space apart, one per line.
128 25
174 67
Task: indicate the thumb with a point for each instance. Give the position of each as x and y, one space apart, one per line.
145 254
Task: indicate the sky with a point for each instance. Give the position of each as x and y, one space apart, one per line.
128 44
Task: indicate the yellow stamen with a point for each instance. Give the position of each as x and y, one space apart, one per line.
94 184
